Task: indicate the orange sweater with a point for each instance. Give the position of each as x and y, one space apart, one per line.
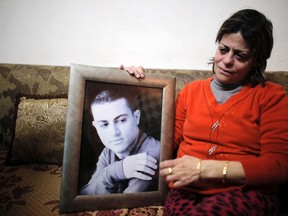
250 127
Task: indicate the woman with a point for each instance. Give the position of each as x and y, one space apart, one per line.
231 130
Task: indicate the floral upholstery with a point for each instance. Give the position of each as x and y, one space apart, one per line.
26 80
22 193
34 189
39 131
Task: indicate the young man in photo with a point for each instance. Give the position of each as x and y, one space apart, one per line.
129 161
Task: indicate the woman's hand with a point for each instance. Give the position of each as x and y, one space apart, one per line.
182 171
138 72
192 171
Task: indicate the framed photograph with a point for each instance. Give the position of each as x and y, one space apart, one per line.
118 130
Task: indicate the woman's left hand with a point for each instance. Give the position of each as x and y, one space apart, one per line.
182 171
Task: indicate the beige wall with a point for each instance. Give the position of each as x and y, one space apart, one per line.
153 33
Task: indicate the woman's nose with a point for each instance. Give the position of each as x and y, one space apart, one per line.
228 59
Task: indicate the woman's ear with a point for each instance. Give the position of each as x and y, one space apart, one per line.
137 115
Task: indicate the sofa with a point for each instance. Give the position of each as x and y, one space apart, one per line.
33 101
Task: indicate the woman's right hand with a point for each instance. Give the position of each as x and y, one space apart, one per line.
138 72
182 171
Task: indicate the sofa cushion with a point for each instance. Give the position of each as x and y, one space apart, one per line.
37 80
39 131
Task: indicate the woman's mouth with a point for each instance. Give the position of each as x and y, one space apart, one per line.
225 72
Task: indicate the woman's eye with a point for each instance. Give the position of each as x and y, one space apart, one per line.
241 57
223 50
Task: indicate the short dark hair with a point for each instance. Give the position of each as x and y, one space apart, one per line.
257 31
109 95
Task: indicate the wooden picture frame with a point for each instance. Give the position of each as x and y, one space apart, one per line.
85 81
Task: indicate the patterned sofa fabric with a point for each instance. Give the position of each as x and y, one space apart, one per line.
34 189
39 131
26 80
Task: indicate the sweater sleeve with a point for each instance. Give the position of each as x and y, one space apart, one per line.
152 147
106 176
271 167
180 115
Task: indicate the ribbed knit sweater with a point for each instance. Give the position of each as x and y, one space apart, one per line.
250 127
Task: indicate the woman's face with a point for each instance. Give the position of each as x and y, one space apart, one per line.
233 59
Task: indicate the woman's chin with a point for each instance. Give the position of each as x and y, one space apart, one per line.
224 78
